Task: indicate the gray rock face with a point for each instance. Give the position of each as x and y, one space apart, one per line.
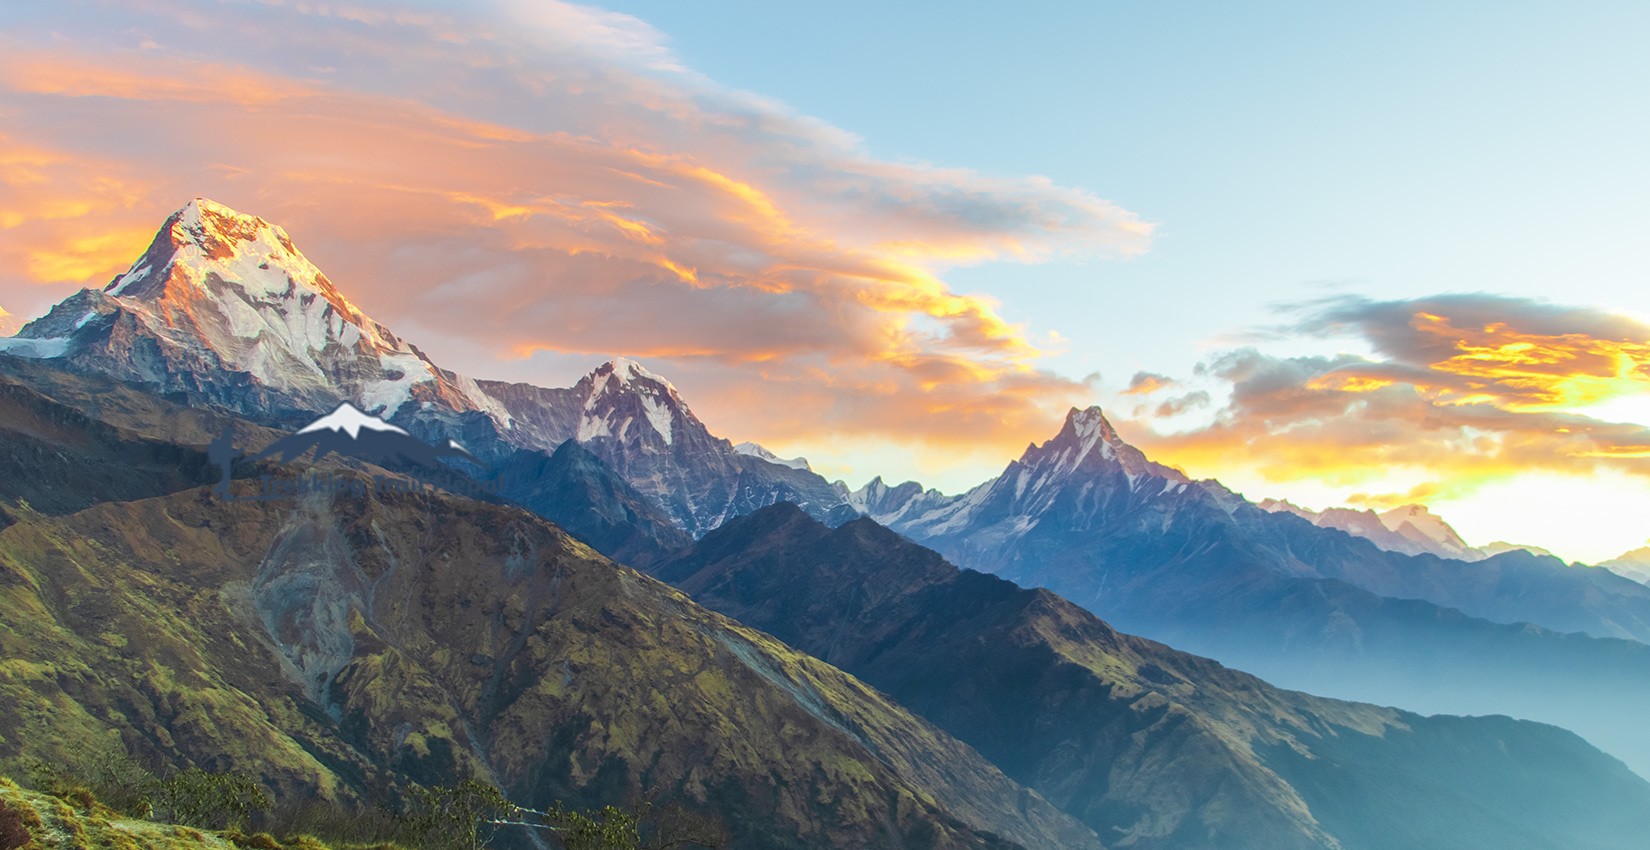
639 425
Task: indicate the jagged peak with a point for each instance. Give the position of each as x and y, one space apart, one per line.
623 370
613 389
1087 433
1086 430
1090 424
205 240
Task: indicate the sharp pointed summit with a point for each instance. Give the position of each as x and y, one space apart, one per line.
1087 439
224 308
206 238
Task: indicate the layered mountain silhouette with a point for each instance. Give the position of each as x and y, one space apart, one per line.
1410 529
343 647
1198 567
1634 565
1151 747
346 646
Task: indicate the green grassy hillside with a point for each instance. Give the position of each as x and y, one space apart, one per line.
342 647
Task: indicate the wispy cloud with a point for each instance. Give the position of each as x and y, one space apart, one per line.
545 177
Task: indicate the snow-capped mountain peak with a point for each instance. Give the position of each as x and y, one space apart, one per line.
621 393
206 239
1088 438
9 324
350 420
1090 427
227 298
757 451
624 370
224 310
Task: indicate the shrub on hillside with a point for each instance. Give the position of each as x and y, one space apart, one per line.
14 831
198 798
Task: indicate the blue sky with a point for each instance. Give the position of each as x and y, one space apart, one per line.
1398 149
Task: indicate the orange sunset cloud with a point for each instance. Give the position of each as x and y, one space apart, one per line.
626 205
1467 389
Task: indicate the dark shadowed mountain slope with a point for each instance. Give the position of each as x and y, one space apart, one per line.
1151 747
55 460
576 491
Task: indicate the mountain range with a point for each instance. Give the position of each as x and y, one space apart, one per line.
861 692
1408 529
345 647
1102 723
223 310
1198 567
340 647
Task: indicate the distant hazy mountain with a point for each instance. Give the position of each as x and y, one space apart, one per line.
1634 565
224 310
1151 747
1198 567
1409 529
